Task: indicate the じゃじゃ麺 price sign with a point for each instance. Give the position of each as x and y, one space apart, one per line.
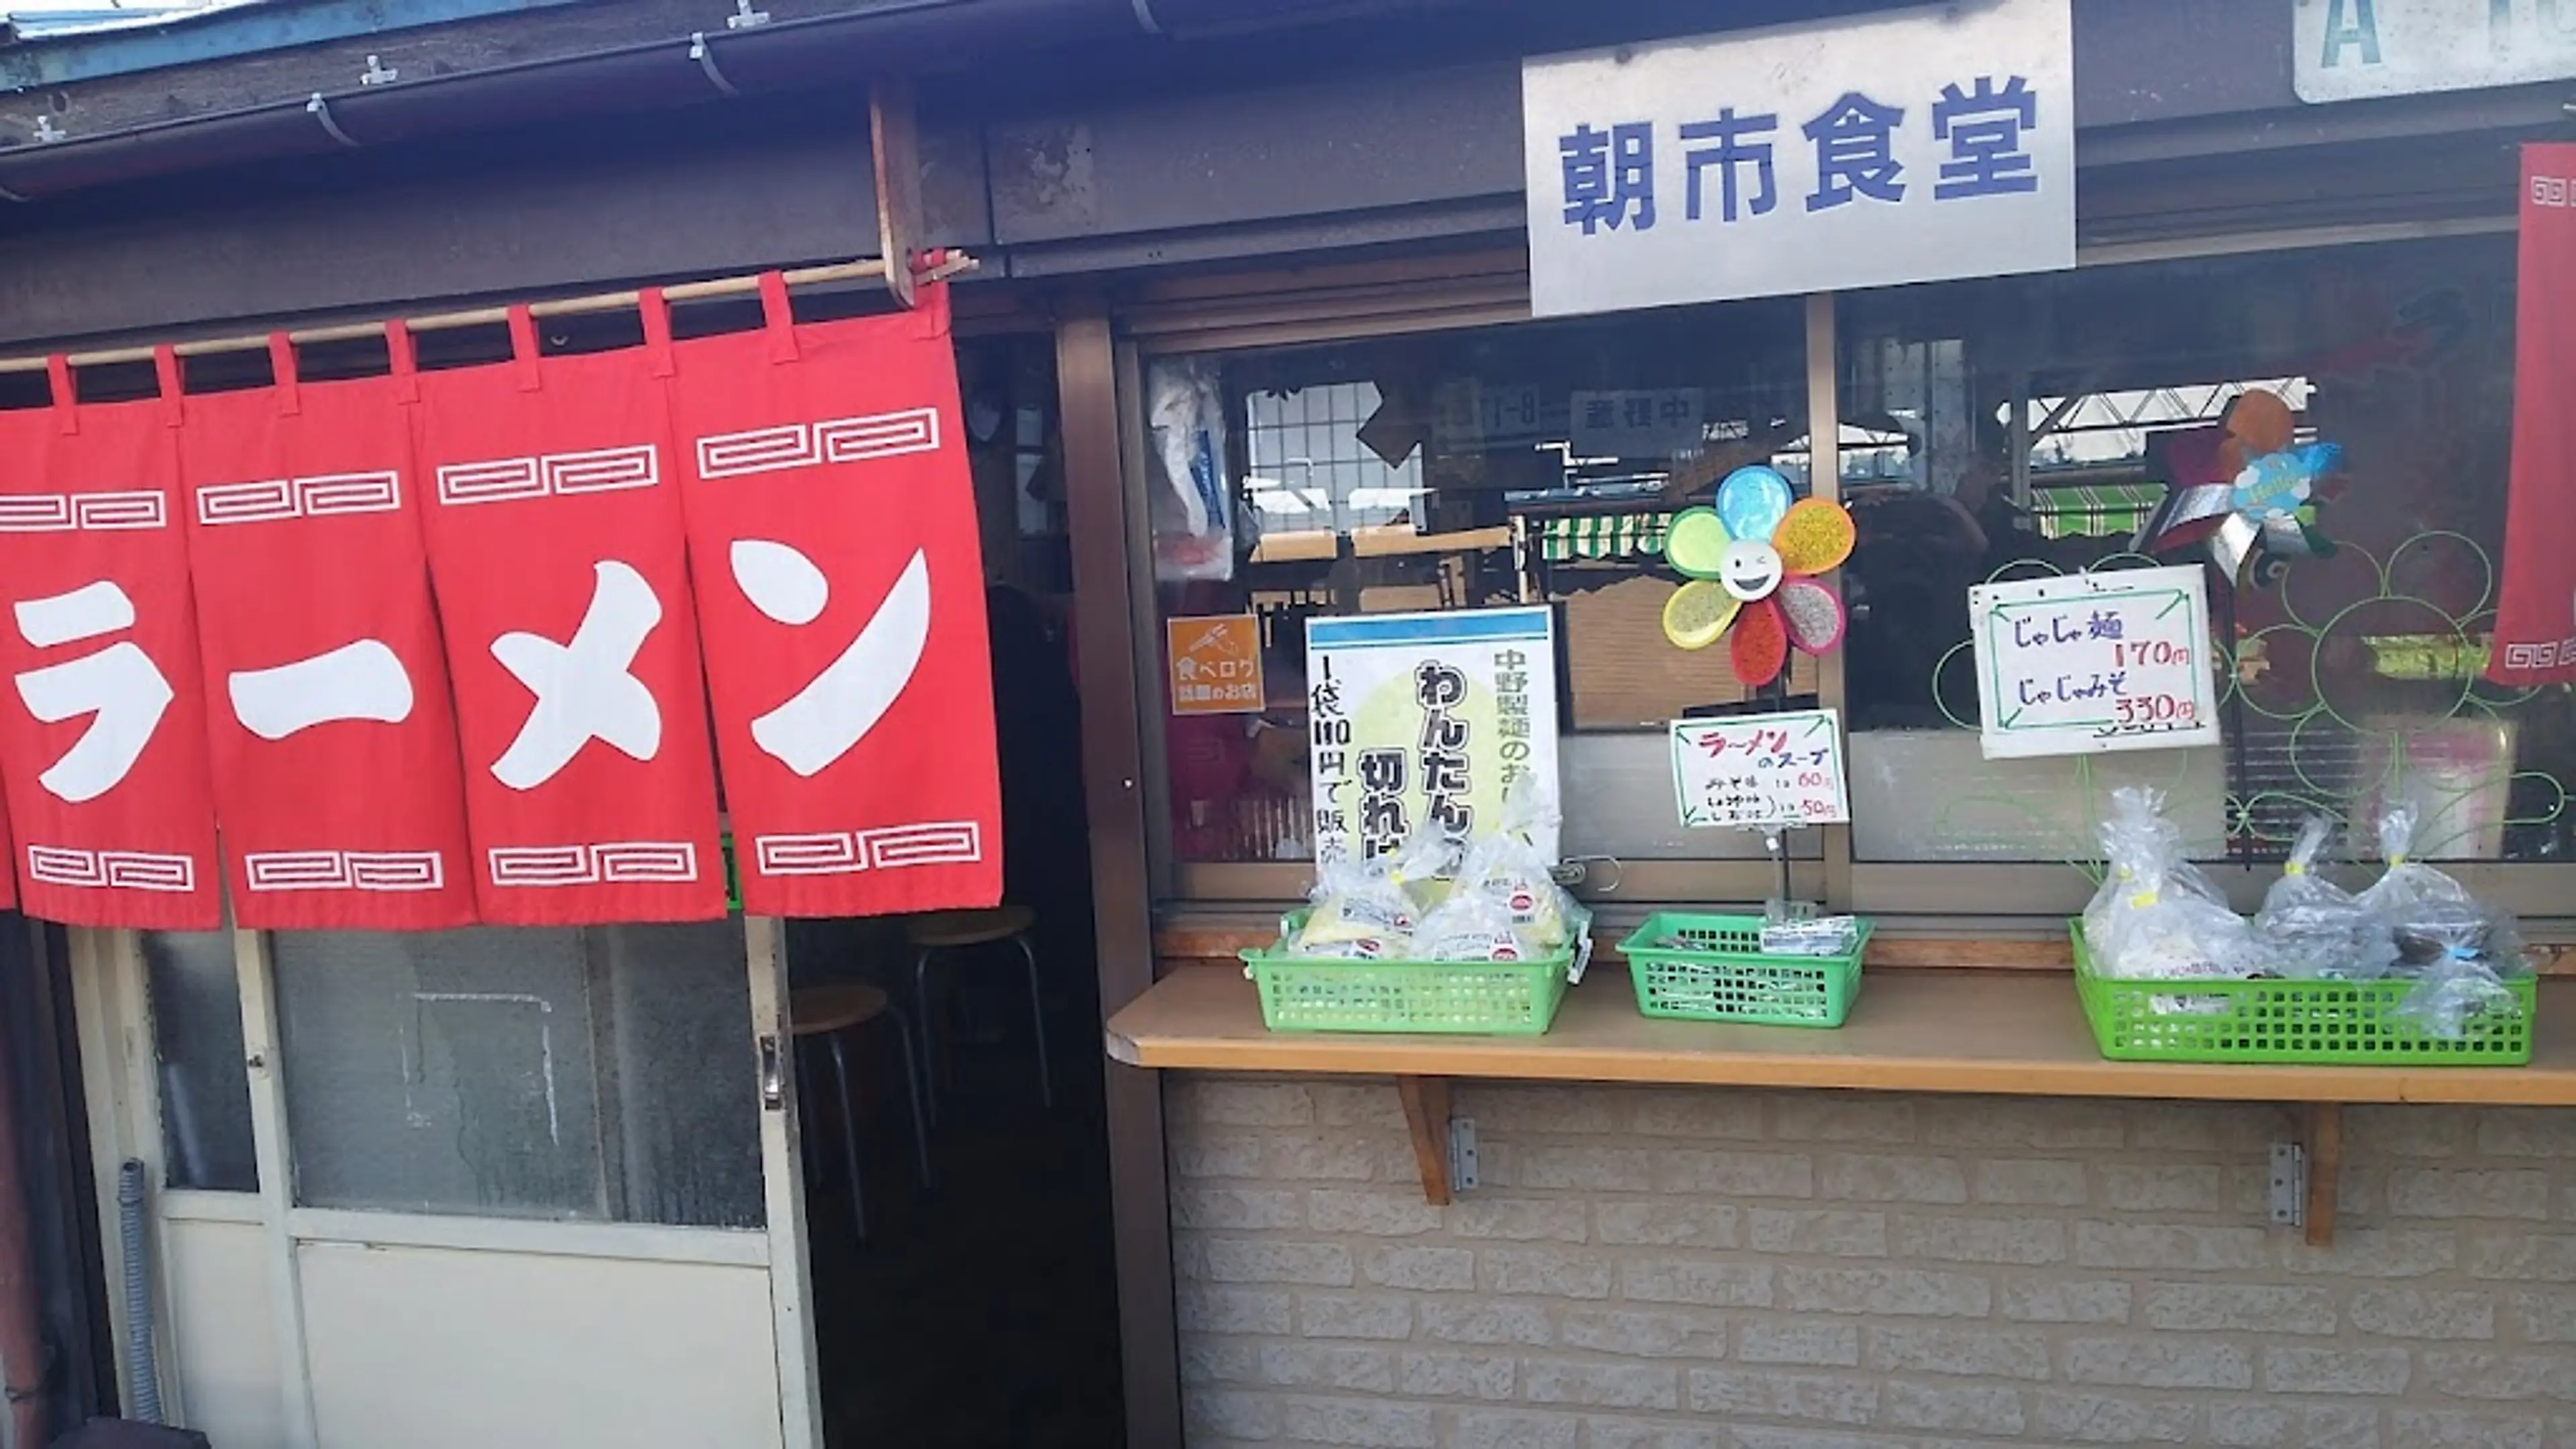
1761 770
2095 662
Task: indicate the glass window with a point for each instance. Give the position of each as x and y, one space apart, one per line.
2038 423
1509 465
601 1075
204 1076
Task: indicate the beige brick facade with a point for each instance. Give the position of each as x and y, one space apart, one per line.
1709 1269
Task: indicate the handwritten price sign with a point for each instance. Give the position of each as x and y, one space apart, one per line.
1758 770
2095 662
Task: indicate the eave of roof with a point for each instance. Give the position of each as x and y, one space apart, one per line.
37 52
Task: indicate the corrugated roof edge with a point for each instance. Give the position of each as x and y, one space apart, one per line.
36 53
22 25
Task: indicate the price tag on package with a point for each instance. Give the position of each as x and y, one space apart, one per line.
1759 770
2095 662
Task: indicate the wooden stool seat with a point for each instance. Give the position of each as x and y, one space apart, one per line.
933 932
822 1010
951 930
820 1018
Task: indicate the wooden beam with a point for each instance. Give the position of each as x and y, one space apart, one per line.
2324 1132
618 301
894 141
1426 1116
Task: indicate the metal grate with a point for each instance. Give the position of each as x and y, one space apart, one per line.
1309 469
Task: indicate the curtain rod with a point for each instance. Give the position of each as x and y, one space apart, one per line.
951 264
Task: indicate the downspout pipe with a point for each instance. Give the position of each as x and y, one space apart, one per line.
142 1368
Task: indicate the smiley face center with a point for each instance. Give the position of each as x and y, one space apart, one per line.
1750 570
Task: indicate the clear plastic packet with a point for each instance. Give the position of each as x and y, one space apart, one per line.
1360 910
1507 866
2312 929
1471 926
2156 916
2469 951
1814 936
2408 887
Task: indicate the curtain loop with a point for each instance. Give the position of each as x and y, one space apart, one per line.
283 375
523 347
780 317
657 330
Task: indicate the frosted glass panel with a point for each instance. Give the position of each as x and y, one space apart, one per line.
1931 795
197 1048
1619 802
601 1075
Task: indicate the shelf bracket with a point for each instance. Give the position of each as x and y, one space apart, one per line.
1426 1118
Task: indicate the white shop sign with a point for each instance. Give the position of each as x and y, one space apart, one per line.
2344 50
1912 145
2079 665
1752 771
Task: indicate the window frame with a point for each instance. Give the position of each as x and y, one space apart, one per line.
1410 296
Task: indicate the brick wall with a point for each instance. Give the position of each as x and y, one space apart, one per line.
1703 1269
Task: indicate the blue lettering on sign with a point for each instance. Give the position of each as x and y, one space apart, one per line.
1734 149
2352 23
1984 127
1609 176
1855 142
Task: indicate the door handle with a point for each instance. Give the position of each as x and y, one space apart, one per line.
773 1075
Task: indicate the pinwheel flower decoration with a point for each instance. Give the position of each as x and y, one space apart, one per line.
1752 563
2256 509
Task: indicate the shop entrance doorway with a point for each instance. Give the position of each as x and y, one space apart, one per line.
982 1309
493 1186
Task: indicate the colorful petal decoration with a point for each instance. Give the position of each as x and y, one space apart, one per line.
1811 613
1816 537
1752 501
1751 563
1760 648
1697 614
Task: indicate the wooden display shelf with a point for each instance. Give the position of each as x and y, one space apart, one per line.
1977 1032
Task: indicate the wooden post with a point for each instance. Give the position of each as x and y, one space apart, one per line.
1426 1112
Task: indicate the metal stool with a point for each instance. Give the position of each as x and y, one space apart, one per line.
957 930
828 1014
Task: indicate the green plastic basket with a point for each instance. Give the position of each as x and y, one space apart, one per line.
1720 972
1491 998
2346 1023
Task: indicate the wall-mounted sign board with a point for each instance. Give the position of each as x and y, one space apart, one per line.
1911 145
2093 662
2350 50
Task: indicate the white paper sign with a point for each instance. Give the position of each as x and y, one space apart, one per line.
1905 146
1757 770
1427 716
2346 50
2093 662
1658 423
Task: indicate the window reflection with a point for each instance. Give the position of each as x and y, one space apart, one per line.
2037 424
1524 464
